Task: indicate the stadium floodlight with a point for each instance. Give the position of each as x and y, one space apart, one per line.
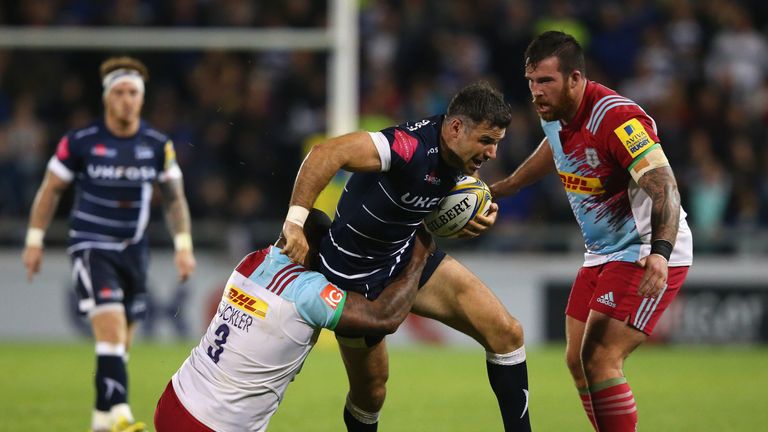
340 39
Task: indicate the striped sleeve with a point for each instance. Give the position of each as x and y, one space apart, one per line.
623 127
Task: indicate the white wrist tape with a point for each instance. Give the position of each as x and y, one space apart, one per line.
297 215
34 237
182 241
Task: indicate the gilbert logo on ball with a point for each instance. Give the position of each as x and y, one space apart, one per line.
458 207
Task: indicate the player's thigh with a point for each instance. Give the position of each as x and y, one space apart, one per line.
367 371
574 336
608 341
456 297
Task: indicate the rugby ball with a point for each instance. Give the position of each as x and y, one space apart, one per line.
469 197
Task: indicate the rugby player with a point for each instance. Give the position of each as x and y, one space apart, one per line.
268 320
114 163
623 192
399 176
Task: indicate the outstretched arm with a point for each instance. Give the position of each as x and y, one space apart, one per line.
660 185
43 209
538 164
385 314
177 217
352 152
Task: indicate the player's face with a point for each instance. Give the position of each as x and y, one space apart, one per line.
470 144
554 95
123 102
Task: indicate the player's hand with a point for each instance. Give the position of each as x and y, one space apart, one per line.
655 277
33 259
296 246
480 223
185 263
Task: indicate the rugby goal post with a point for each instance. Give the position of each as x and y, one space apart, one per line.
340 40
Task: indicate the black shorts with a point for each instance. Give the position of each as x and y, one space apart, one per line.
107 277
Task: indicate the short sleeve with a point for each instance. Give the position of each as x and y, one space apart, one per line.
318 301
170 168
628 137
66 161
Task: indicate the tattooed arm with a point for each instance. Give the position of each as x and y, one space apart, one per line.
660 185
178 220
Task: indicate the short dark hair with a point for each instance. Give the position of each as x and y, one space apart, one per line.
557 44
481 102
123 62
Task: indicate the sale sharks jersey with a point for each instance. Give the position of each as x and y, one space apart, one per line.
114 178
372 235
593 154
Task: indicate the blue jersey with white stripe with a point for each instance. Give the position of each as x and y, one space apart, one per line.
371 237
114 178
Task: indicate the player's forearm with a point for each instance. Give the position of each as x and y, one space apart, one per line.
176 212
533 169
320 165
397 299
661 187
44 206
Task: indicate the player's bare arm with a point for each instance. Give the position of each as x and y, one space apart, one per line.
385 314
177 217
352 152
539 164
43 209
660 185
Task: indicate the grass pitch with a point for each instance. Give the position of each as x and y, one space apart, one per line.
47 387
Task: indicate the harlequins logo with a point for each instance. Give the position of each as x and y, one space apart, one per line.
591 155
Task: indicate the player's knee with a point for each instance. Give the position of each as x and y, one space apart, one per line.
371 399
573 361
507 336
598 359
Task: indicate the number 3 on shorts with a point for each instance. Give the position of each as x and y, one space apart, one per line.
222 332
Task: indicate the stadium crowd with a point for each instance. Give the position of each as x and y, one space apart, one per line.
241 121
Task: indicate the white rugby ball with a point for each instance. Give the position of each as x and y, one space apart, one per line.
469 197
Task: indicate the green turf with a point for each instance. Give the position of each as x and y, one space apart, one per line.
48 387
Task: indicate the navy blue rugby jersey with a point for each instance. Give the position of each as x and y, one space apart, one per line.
372 235
113 178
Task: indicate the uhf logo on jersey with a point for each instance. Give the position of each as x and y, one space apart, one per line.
581 185
591 155
634 136
112 172
143 152
245 302
419 201
332 296
432 178
101 150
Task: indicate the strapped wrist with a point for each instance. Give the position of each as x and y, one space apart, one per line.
182 241
662 248
297 214
34 237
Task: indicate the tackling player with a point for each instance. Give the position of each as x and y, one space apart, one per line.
268 320
114 163
624 195
400 175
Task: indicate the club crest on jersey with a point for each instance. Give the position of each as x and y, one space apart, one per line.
101 150
332 296
591 156
143 152
634 137
432 178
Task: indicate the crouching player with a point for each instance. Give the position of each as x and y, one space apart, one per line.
267 322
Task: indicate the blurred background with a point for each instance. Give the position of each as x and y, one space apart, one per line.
242 119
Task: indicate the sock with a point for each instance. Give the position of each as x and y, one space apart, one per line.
111 377
508 374
101 421
614 406
121 410
586 401
358 420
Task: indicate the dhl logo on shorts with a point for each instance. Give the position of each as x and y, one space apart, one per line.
252 305
581 185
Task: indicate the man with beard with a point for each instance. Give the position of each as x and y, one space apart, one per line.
624 195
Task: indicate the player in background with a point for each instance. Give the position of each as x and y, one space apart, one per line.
623 193
269 318
400 175
114 163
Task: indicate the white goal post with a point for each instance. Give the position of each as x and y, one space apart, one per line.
340 39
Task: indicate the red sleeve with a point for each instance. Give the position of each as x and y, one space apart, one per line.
627 132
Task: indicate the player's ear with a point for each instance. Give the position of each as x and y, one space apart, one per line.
574 78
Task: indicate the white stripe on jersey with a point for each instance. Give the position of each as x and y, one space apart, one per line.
382 146
344 251
94 236
85 132
109 203
380 240
608 108
103 221
597 109
388 222
395 202
354 276
98 245
146 197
